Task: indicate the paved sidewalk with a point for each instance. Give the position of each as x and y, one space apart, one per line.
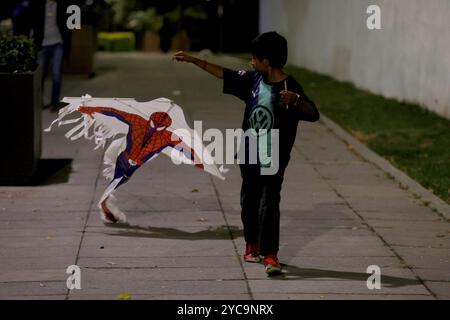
340 214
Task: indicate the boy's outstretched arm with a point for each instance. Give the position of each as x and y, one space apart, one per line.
211 68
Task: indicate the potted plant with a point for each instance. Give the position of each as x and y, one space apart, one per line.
120 11
147 23
84 41
21 105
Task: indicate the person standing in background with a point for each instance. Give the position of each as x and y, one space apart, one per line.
52 39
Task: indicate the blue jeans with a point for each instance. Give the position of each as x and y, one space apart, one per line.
55 54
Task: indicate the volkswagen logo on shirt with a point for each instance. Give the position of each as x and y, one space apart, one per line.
261 118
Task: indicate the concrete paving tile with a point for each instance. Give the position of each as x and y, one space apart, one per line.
203 273
129 247
42 224
53 297
326 296
390 277
436 240
186 297
424 258
36 263
437 274
375 191
202 219
31 232
44 288
38 216
29 275
345 251
441 289
420 214
406 287
141 286
27 242
400 205
359 264
159 262
59 250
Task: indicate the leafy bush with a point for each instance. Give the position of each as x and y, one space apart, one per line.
121 10
145 20
116 41
17 54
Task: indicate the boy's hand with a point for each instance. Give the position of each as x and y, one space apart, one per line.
183 56
289 97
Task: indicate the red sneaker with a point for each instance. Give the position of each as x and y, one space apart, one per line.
252 253
272 265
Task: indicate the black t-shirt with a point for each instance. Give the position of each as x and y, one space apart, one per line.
264 108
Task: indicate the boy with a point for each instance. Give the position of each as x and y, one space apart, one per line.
274 100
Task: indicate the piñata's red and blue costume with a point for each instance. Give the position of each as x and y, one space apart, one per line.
148 131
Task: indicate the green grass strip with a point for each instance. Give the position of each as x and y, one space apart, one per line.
413 139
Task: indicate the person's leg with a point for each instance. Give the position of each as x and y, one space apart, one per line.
269 214
270 223
58 54
250 199
44 56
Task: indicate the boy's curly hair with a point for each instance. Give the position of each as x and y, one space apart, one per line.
271 46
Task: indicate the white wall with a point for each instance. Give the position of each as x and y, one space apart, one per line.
409 59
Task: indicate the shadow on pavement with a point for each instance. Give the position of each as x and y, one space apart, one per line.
295 273
53 171
48 172
219 233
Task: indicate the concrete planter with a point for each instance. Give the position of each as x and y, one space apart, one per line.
21 129
151 42
81 57
181 42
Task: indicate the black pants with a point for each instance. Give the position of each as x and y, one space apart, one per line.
260 203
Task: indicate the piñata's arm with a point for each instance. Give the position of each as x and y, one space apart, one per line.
111 112
188 152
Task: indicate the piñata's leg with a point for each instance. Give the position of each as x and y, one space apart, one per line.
108 211
107 216
123 172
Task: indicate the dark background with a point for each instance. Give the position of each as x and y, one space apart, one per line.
232 32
